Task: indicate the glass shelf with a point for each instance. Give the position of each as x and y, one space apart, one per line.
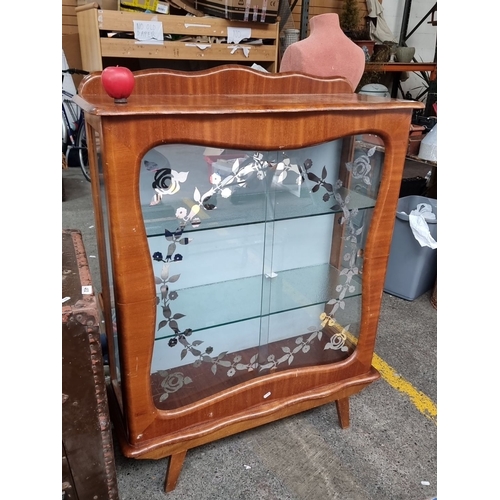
233 301
252 210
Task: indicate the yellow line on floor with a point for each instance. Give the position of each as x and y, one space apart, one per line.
423 403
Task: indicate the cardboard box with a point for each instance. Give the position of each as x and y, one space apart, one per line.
187 5
138 5
103 4
145 5
163 8
262 11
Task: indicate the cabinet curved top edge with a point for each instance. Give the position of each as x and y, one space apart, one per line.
193 91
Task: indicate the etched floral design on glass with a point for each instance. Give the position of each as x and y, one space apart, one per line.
258 166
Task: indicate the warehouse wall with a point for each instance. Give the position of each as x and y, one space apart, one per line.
424 39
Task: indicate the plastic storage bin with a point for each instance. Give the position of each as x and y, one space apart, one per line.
412 269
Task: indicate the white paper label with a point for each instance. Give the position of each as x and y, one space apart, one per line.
148 31
235 35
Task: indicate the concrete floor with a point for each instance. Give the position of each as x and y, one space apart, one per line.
389 452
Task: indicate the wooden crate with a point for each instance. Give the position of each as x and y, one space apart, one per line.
205 43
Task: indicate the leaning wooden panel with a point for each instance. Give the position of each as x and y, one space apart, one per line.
166 405
90 43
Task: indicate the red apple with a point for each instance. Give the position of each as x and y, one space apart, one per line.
118 82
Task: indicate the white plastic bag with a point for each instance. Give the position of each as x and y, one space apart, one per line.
418 223
428 146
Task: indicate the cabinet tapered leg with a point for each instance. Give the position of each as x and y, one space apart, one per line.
343 412
174 469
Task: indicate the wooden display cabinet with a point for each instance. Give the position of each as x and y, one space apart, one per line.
244 230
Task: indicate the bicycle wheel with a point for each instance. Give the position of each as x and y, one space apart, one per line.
64 137
81 144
